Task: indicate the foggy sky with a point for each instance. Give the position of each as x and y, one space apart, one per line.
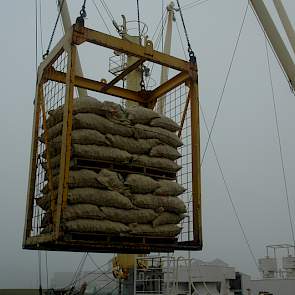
245 135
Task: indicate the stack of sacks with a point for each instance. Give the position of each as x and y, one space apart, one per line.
110 202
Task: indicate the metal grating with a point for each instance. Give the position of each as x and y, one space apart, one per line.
54 97
174 108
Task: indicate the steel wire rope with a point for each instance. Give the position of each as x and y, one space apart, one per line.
36 70
46 267
98 267
100 14
181 41
157 44
74 278
54 28
98 291
193 4
225 83
228 192
41 26
280 143
92 272
106 8
276 56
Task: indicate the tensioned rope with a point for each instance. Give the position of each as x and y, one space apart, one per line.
280 143
225 83
101 16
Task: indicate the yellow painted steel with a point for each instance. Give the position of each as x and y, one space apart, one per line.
77 35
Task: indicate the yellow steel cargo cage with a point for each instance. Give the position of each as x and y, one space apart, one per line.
56 82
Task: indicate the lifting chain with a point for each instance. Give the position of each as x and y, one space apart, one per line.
192 57
80 20
142 84
54 28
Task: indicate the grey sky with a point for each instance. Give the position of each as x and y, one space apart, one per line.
244 136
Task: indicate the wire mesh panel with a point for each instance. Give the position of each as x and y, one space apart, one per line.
175 108
52 96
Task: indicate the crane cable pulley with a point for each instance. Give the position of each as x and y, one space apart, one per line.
192 57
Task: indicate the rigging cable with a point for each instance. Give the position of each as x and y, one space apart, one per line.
225 83
41 26
109 13
192 57
100 14
46 266
228 192
54 29
193 4
279 142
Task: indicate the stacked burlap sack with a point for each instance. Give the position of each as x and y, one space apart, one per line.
110 202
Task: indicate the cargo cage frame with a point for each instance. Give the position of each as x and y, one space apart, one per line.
187 74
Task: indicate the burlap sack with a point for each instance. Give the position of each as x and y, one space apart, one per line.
99 198
111 180
102 153
131 145
85 211
167 218
96 226
165 136
101 124
85 104
166 123
77 178
168 230
149 201
152 162
129 216
141 184
165 151
169 188
141 115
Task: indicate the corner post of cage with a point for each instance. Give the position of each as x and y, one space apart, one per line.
66 139
47 151
33 163
196 160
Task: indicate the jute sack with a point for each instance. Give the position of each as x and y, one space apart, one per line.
169 188
102 153
153 162
141 184
170 204
166 123
85 136
85 104
138 114
92 122
167 230
167 218
111 180
96 226
129 216
101 124
165 136
99 197
131 145
165 151
77 179
82 211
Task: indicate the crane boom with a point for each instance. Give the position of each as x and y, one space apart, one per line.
275 39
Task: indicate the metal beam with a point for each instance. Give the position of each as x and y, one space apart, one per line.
275 39
286 22
169 85
83 34
128 70
96 86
